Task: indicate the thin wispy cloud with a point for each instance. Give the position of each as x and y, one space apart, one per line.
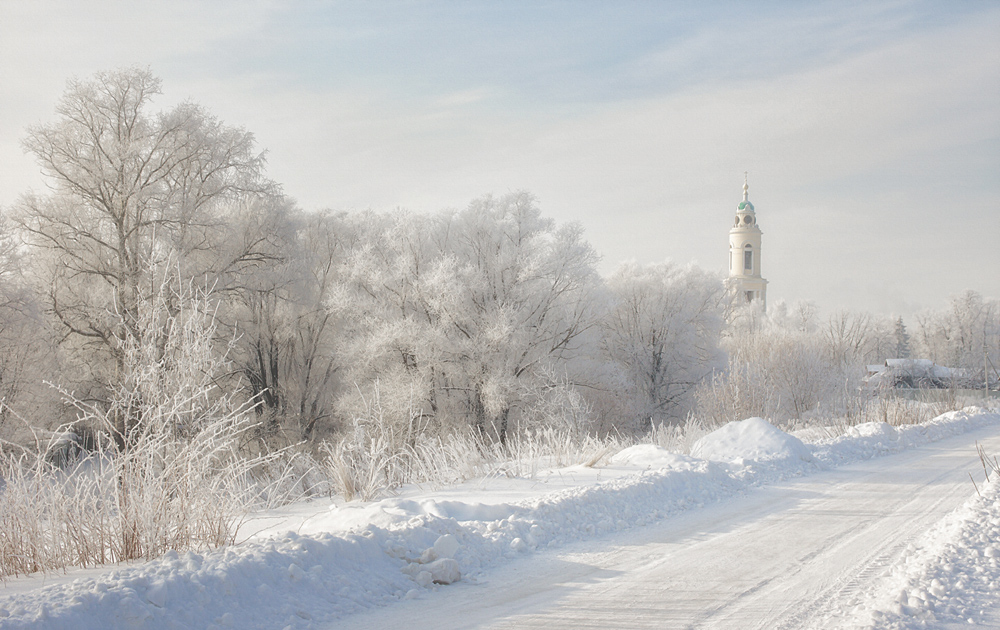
637 120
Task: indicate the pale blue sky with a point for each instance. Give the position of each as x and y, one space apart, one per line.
871 130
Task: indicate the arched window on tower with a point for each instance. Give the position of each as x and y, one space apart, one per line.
748 258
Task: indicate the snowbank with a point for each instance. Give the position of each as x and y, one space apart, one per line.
648 456
877 438
348 558
949 577
749 440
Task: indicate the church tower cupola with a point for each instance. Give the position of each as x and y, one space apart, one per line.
744 253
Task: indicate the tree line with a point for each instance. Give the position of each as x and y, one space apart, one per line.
492 318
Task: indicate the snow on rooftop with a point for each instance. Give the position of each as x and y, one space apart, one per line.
909 364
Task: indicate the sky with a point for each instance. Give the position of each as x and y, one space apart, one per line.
870 131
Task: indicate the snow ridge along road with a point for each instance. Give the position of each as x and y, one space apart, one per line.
801 553
808 553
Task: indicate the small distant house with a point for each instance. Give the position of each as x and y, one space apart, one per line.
912 373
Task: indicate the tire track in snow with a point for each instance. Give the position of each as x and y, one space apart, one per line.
871 569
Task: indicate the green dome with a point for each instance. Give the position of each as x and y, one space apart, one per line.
746 205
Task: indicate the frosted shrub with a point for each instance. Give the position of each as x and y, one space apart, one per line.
50 517
360 466
108 506
176 474
376 455
737 394
380 455
678 438
898 411
558 406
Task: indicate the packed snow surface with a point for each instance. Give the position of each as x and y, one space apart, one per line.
343 559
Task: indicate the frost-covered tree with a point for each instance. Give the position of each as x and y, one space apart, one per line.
132 192
27 346
803 315
662 336
388 343
285 332
964 335
902 338
466 316
523 302
855 339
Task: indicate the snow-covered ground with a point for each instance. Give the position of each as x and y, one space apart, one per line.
951 577
343 560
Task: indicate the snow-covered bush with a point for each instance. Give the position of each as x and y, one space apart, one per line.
176 468
885 407
786 366
380 455
678 438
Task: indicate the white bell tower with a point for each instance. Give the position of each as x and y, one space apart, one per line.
744 253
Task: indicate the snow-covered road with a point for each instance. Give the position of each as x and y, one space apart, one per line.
804 553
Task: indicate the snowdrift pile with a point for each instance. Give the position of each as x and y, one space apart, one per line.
348 558
748 440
